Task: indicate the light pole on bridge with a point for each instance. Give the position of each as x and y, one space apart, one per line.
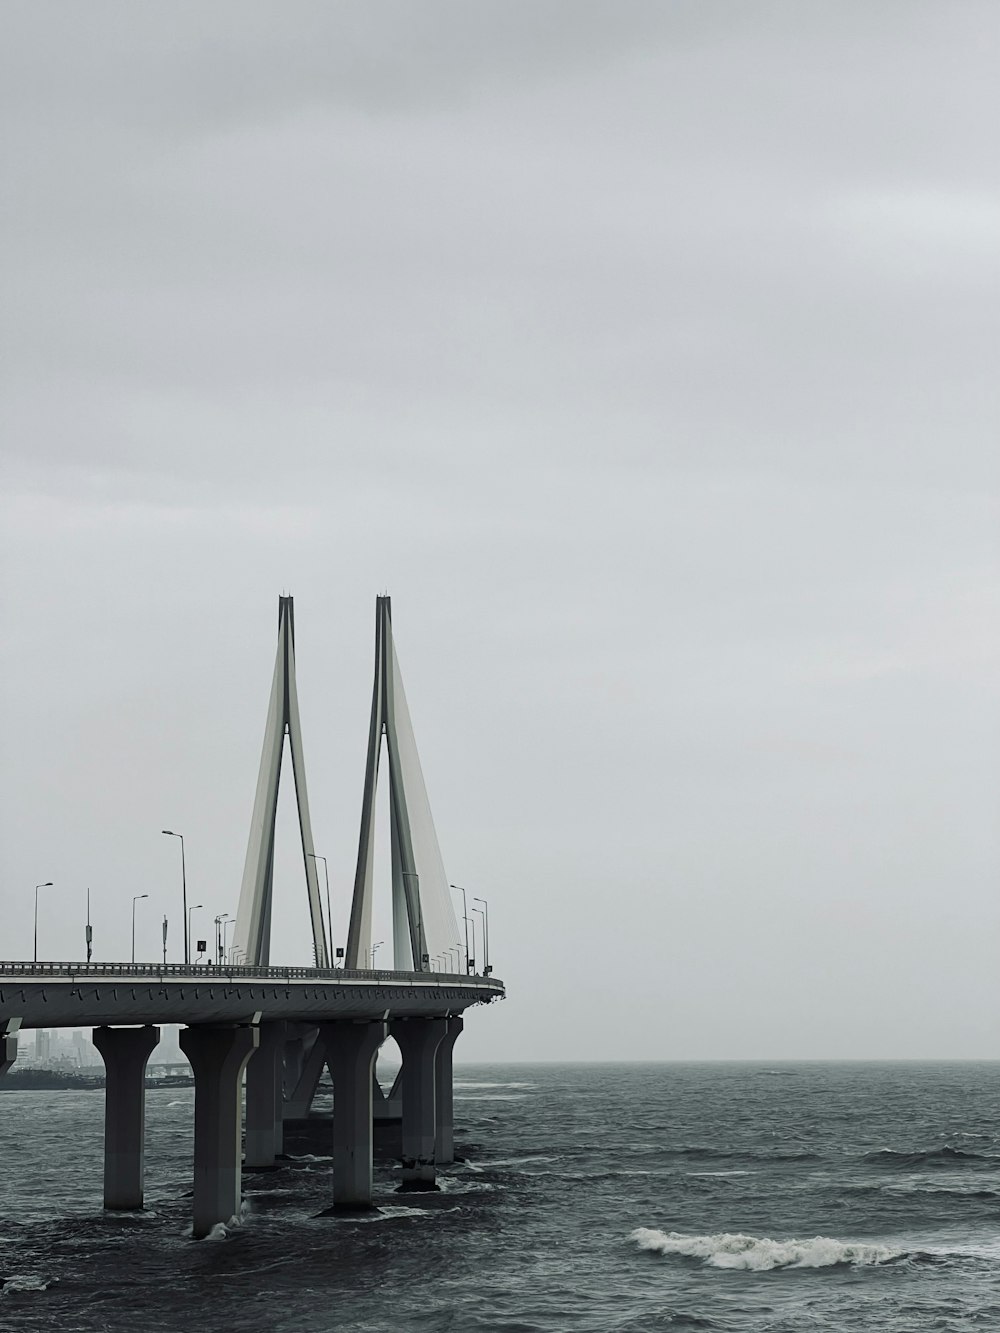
329 914
46 885
465 918
480 913
486 934
376 947
135 899
184 889
219 951
197 907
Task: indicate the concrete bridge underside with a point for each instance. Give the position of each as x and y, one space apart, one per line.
279 1027
95 995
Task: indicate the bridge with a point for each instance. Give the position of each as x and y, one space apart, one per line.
278 1027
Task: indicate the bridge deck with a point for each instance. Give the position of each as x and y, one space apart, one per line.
83 995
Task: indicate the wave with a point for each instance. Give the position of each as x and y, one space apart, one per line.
735 1250
700 1152
10 1284
935 1157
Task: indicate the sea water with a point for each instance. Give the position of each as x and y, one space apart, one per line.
748 1198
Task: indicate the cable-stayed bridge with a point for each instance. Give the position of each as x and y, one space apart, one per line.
280 1026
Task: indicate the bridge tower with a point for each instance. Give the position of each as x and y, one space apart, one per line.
253 916
423 917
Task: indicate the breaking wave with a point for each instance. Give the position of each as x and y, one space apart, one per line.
936 1157
734 1250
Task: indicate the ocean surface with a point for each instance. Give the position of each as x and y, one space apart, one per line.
632 1198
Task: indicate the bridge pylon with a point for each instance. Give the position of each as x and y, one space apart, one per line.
423 917
253 917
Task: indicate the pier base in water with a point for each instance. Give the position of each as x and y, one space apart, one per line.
218 1056
351 1049
418 1040
264 1100
125 1052
444 1141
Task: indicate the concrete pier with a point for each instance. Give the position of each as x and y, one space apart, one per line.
265 1099
350 1050
8 1042
444 1092
418 1040
308 1055
125 1052
218 1056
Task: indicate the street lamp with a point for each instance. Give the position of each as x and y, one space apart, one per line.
196 908
136 899
329 914
225 936
218 936
184 887
375 947
473 925
486 934
465 918
46 885
479 912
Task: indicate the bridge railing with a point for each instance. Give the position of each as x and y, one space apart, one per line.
206 971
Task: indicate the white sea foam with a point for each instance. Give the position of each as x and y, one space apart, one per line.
520 1161
734 1250
721 1173
26 1284
309 1157
490 1096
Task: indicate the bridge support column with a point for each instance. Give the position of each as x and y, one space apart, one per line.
350 1050
8 1042
418 1040
308 1061
125 1052
444 1143
218 1056
265 1109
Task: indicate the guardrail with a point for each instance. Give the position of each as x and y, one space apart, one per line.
205 971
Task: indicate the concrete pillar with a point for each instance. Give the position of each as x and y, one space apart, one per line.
300 1095
350 1050
8 1042
125 1052
265 1101
218 1056
418 1040
444 1143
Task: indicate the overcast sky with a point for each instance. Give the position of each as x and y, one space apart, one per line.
646 353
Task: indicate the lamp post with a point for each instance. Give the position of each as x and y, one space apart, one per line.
184 888
218 936
329 914
486 933
196 908
89 934
135 899
465 918
375 948
479 912
225 936
473 925
46 885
